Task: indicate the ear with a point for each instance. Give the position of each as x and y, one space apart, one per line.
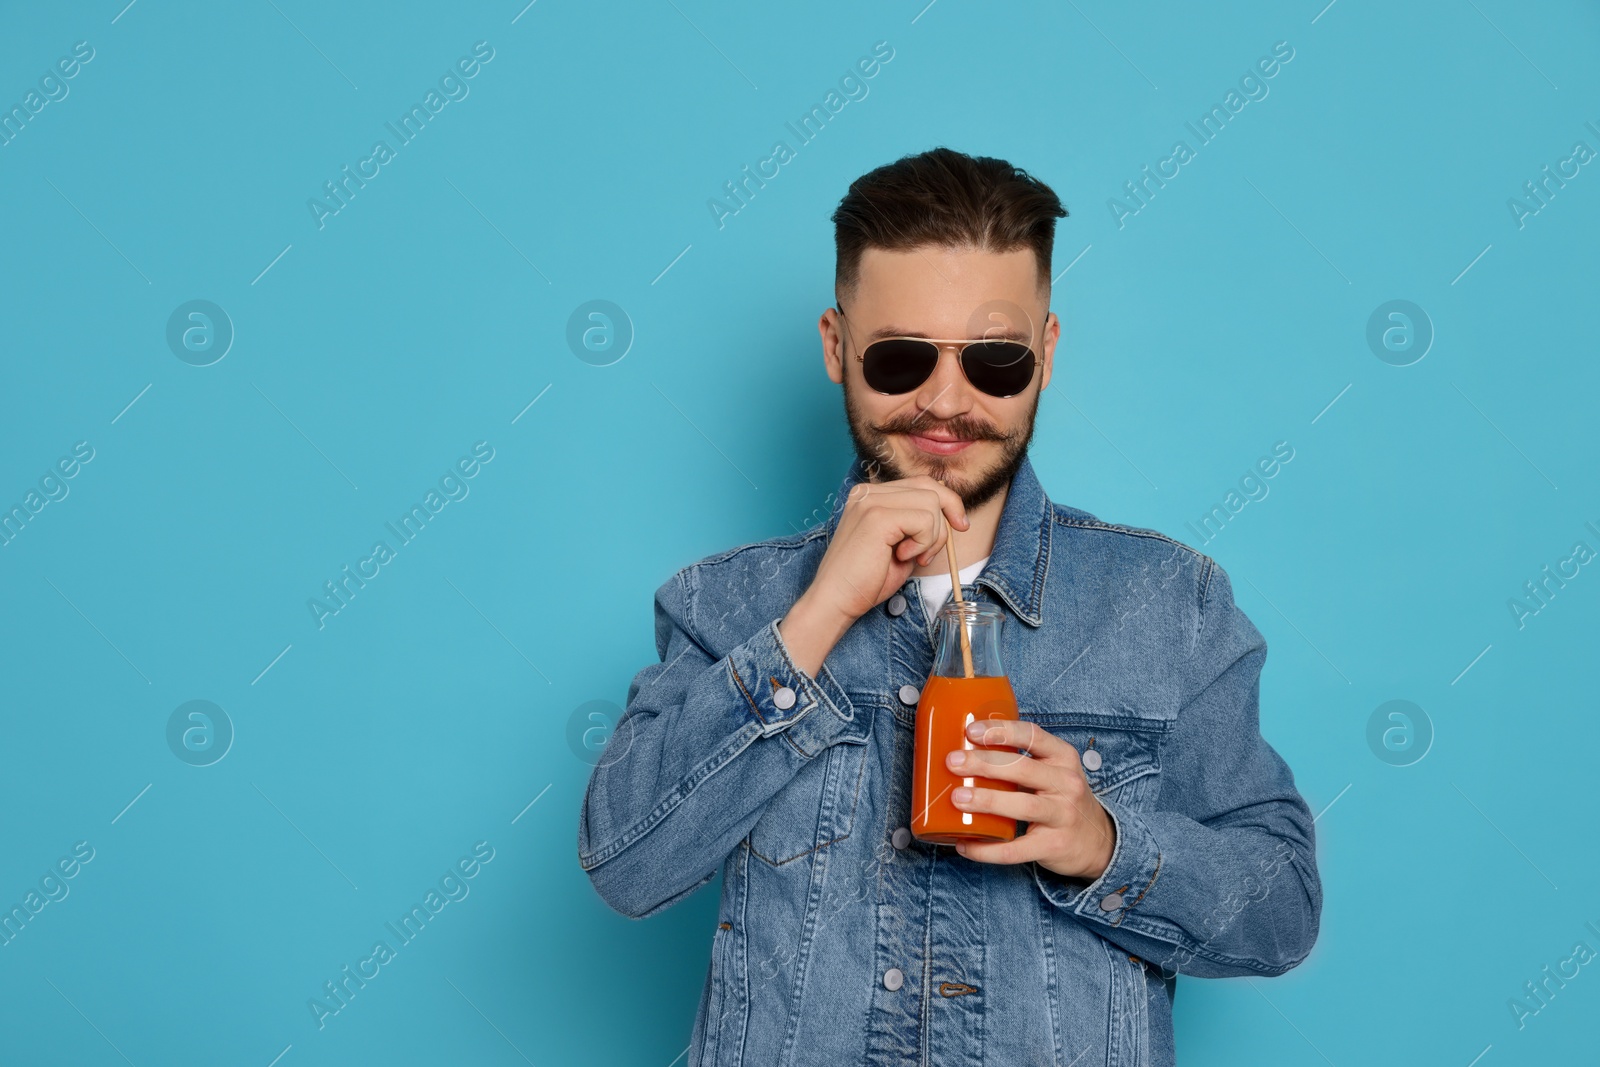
830 327
1052 334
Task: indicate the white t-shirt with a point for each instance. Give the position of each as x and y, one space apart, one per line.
935 588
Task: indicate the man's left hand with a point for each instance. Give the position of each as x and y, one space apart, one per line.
1068 830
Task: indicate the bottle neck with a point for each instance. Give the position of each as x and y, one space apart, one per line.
981 623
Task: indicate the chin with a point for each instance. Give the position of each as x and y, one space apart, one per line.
969 461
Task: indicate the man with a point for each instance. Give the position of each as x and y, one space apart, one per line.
1158 832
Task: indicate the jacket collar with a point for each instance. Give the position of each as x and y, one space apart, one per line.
1021 554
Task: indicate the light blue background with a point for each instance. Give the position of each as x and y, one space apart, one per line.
428 314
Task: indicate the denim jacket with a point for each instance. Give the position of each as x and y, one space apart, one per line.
841 939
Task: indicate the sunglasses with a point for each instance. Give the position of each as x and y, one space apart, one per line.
899 364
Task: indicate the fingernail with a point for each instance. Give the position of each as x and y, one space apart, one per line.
957 758
960 794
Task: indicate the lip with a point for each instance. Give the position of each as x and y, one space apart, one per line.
938 446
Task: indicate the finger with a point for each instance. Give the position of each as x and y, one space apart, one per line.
910 531
1029 807
1021 849
874 492
949 501
1024 734
941 536
1006 766
929 495
944 507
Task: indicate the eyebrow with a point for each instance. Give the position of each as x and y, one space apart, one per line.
896 331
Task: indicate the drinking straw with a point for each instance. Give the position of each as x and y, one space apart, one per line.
955 586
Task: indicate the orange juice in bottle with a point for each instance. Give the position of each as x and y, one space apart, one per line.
950 700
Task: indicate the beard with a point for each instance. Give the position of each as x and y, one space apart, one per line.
875 451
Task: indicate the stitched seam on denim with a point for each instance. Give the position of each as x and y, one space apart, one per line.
1153 876
1133 774
855 801
1032 614
1136 531
1048 891
779 863
1047 935
822 687
744 950
807 949
988 581
861 774
709 1043
1044 557
802 753
689 628
1093 720
1139 1012
1171 934
789 541
1113 1029
1203 594
985 968
1132 531
668 804
740 683
924 990
689 580
1122 913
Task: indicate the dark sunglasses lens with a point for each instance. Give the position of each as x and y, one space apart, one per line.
999 368
898 365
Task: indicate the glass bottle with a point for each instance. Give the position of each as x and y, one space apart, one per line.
950 700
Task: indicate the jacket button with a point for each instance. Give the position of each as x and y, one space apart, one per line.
909 694
893 979
896 606
902 837
1091 759
1111 902
783 699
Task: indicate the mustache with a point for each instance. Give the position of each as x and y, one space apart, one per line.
964 428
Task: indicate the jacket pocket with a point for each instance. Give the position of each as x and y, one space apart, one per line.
816 809
1121 753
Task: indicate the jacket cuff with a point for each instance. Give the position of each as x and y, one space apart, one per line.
1135 865
810 713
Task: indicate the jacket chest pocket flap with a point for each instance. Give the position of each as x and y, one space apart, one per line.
1121 754
815 809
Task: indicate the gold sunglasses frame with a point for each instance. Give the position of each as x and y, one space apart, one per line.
960 345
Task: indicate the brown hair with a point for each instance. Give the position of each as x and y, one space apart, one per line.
946 198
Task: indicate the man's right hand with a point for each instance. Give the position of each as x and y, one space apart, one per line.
886 531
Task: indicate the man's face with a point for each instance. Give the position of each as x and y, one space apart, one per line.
945 427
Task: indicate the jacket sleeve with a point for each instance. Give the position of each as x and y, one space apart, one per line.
704 743
1218 877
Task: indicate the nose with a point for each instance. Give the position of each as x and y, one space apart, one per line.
945 394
